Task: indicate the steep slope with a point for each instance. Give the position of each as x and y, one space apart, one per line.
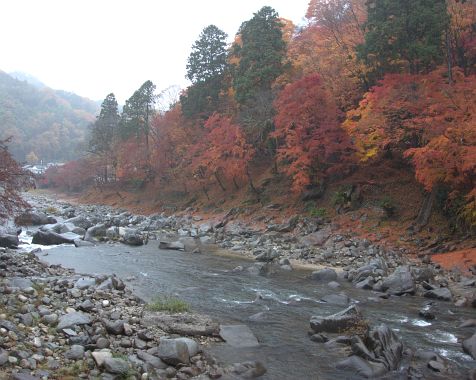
49 123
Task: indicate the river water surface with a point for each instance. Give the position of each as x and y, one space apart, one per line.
207 283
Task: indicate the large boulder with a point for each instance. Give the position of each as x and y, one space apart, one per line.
80 221
443 294
73 319
317 238
324 275
386 346
173 352
94 232
361 367
50 238
132 237
399 282
469 346
9 241
345 321
238 336
33 218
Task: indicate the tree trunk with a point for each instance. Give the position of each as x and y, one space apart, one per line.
234 183
205 192
426 209
219 181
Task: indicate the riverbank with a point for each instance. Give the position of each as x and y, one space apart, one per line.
276 249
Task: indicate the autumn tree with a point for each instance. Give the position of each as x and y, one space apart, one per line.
206 68
12 178
104 133
404 35
258 54
327 46
312 144
224 152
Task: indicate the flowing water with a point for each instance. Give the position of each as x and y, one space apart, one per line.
280 320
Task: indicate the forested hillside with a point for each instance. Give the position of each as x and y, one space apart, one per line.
365 92
45 124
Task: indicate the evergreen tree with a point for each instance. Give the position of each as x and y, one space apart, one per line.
260 55
104 132
206 68
138 111
404 35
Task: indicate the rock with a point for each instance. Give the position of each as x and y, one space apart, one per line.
333 284
336 299
175 245
73 319
151 360
443 294
50 238
20 283
469 346
324 275
114 327
268 256
116 366
100 356
132 237
361 367
183 324
97 231
317 238
32 218
249 370
86 306
469 323
192 345
3 357
343 321
80 221
84 283
117 283
23 376
82 243
386 346
436 366
173 352
76 352
399 282
9 241
102 343
238 336
319 338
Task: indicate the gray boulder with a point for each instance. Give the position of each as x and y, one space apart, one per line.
76 352
443 294
238 336
344 321
324 275
317 238
80 221
73 319
173 352
116 366
399 282
336 299
362 368
9 241
94 232
32 218
469 346
50 238
132 237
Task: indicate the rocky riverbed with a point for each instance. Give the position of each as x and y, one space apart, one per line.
385 273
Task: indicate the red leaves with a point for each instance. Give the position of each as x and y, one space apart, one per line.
311 141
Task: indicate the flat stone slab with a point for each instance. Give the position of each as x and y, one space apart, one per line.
187 324
238 336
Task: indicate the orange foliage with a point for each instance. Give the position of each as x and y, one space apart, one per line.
312 144
406 111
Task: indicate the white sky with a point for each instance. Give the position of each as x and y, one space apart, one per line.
94 47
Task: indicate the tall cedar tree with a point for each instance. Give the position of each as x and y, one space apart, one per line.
206 68
405 35
104 132
137 116
259 54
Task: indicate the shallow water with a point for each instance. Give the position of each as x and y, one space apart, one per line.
280 320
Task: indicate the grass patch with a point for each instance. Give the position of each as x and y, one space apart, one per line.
168 303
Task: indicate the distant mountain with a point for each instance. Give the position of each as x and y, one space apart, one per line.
27 78
44 123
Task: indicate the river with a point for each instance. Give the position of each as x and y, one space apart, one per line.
206 281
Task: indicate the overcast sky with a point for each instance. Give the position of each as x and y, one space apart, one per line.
93 47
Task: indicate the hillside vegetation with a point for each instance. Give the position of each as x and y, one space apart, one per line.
44 124
371 103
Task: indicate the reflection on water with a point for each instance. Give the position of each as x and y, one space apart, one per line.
277 308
